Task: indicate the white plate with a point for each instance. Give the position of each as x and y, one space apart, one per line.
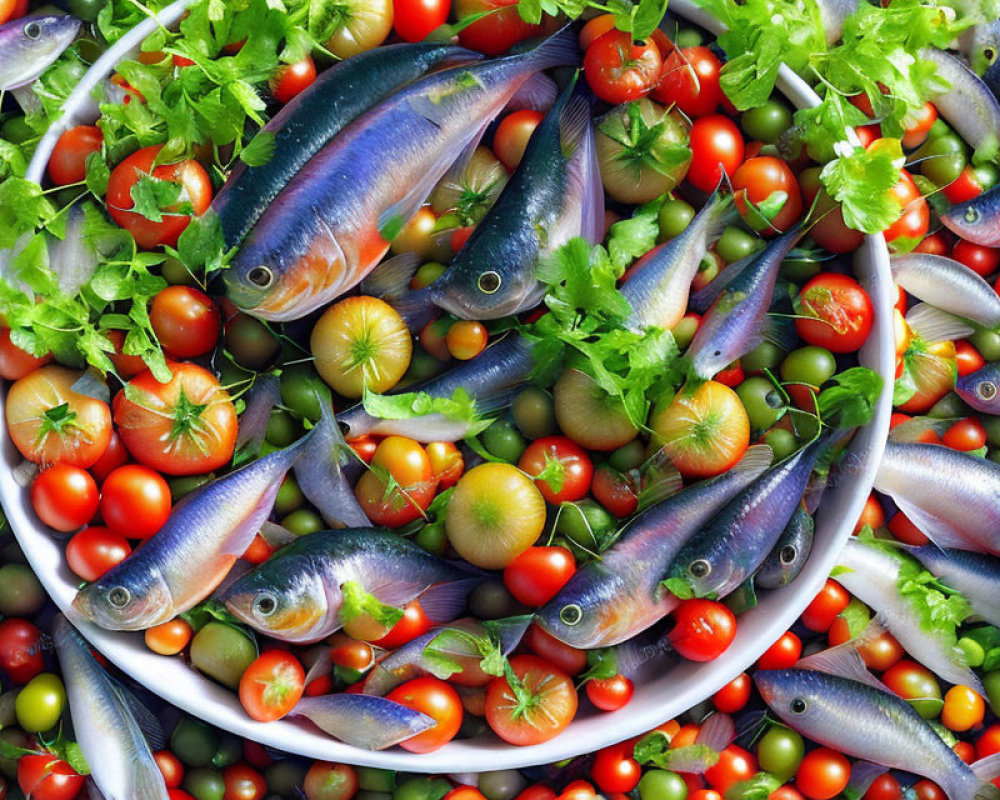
666 696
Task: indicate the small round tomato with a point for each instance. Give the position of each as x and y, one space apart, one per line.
917 124
902 527
170 767
272 685
95 550
914 221
412 624
292 79
980 259
409 466
169 638
15 363
164 226
185 320
967 358
447 463
735 765
567 659
872 515
325 781
242 782
439 701
782 654
884 787
614 491
618 70
535 576
22 656
538 707
965 434
829 231
964 708
934 244
716 148
825 606
763 179
614 769
497 32
135 501
414 19
561 468
915 684
690 80
466 339
842 309
362 25
512 135
610 694
734 695
64 497
703 629
881 652
68 162
351 653
823 774
45 777
114 456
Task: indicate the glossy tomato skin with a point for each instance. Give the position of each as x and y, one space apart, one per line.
619 70
716 147
135 501
551 709
567 460
829 231
414 19
272 685
704 629
21 652
610 694
614 769
45 777
197 190
410 466
437 699
913 223
412 624
512 135
15 363
734 695
68 162
614 491
496 33
95 550
734 766
242 782
782 654
568 659
114 456
965 435
823 774
980 259
293 79
825 606
64 497
843 311
690 79
185 320
536 575
755 181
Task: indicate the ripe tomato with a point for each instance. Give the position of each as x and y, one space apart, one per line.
186 426
842 309
903 529
619 70
884 787
734 766
934 244
242 782
704 433
350 653
325 781
436 699
690 80
114 456
568 659
988 742
447 463
68 162
412 624
830 231
497 32
595 29
966 186
614 491
716 147
126 366
872 515
49 422
614 769
169 638
981 260
782 654
535 576
21 651
195 192
916 684
64 497
170 767
537 708
734 695
882 652
512 136
823 774
756 180
964 708
95 550
185 320
466 339
291 79
43 776
610 694
967 358
409 465
135 501
965 434
537 791
15 363
272 685
704 629
414 19
917 124
825 606
913 222
561 468
364 24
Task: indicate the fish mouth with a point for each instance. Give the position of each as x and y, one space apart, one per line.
764 684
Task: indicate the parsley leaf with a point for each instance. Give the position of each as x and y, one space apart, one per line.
851 403
860 180
358 602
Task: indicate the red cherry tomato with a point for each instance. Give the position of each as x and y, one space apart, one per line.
734 695
567 659
185 320
15 363
135 501
614 769
842 309
68 162
536 575
610 694
735 765
272 685
965 434
825 606
716 147
704 629
823 774
561 468
412 624
690 80
414 19
64 497
436 699
115 455
498 31
95 550
619 70
291 79
43 776
541 708
967 358
913 223
21 651
614 491
170 767
980 259
782 654
756 180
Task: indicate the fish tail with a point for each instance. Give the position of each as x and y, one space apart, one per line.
931 324
978 785
560 49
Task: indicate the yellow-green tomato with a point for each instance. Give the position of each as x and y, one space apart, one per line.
40 704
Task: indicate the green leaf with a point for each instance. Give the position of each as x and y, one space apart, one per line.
856 615
678 587
98 174
861 179
259 151
357 601
759 787
851 403
152 197
460 407
628 239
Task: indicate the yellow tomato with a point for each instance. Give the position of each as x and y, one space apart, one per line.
366 25
589 415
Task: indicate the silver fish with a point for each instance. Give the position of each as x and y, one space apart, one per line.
973 575
948 285
30 45
105 723
871 574
962 511
968 105
361 720
981 389
790 554
977 220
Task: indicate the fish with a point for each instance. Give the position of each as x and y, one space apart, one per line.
980 44
554 195
736 321
962 512
333 222
609 600
366 721
871 574
183 563
489 379
973 575
976 220
660 281
736 542
108 723
313 117
789 556
948 285
30 45
858 716
297 595
968 105
980 388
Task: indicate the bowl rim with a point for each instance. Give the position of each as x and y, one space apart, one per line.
681 687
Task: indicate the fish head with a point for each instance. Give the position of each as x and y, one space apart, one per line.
485 289
284 599
795 695
976 219
704 567
31 44
126 600
981 389
590 611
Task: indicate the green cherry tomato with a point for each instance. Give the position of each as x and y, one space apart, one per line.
675 216
222 652
766 122
780 752
194 742
584 522
534 413
782 443
503 784
289 497
503 440
973 651
229 751
205 784
812 365
762 402
987 343
303 521
688 37
629 456
684 332
661 784
21 595
991 682
176 274
766 355
423 366
420 788
373 779
282 428
185 484
943 159
40 704
302 389
87 10
433 538
735 243
251 343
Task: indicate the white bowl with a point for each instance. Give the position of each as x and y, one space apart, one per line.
655 701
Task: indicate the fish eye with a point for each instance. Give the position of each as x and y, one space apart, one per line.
489 282
990 54
787 554
32 30
798 706
718 353
700 568
971 215
261 277
265 604
119 597
571 614
987 390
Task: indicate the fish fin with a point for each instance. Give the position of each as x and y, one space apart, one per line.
263 396
661 479
395 594
576 134
912 430
538 93
939 531
390 280
756 459
363 720
560 49
145 719
443 602
717 731
276 536
702 300
490 403
510 631
779 331
844 661
863 773
931 324
322 666
986 769
417 308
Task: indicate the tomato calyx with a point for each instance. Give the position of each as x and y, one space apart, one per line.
524 703
188 423
553 473
643 145
60 420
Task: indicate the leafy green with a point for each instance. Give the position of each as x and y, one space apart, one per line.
654 749
640 18
861 179
758 787
856 615
851 403
460 407
357 602
988 637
